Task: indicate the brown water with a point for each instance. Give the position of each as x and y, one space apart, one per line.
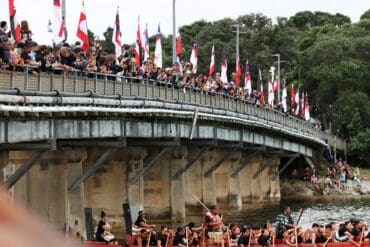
315 210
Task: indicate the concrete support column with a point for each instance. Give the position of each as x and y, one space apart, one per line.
235 195
177 162
57 183
74 211
16 160
135 192
209 183
4 160
254 168
275 183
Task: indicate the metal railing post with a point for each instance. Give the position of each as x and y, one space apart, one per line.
105 84
39 86
25 78
52 81
11 79
74 81
63 81
85 83
146 88
95 82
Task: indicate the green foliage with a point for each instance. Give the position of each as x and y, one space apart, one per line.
325 54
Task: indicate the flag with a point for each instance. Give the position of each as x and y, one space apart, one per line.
224 67
271 92
158 49
284 96
212 66
276 83
138 46
247 79
82 33
307 115
178 44
49 27
292 97
296 102
194 56
58 23
238 73
146 43
14 24
116 38
180 65
260 87
302 105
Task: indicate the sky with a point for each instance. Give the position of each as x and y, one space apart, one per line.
101 13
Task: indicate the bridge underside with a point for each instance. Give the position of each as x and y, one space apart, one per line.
162 179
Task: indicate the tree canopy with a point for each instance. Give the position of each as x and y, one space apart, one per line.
323 53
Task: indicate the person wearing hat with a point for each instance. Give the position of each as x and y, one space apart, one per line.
103 232
141 221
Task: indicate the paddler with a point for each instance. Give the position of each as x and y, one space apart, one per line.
214 226
285 219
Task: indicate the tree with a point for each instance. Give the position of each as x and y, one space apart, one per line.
365 15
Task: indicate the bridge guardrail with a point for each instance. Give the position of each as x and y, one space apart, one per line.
104 84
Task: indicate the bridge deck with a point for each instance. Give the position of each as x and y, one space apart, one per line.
107 85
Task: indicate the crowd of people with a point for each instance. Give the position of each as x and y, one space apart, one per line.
213 232
66 57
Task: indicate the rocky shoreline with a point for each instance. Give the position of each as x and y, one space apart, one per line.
300 188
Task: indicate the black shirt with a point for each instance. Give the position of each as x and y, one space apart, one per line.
69 61
139 220
100 231
162 238
321 239
243 240
264 241
179 240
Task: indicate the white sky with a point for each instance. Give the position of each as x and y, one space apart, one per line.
101 13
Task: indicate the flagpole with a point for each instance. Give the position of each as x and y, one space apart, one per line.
64 19
238 32
174 60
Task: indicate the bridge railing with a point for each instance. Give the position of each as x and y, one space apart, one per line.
76 82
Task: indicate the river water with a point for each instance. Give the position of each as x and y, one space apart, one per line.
320 211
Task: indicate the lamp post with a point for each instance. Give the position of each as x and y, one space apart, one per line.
238 32
278 72
174 57
64 18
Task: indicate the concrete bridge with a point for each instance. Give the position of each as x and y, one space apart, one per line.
69 143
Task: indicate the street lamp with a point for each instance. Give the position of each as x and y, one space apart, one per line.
278 64
238 32
174 58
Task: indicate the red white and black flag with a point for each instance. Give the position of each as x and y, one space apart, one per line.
224 67
14 24
194 56
116 38
178 44
248 79
307 114
58 23
212 66
138 46
238 73
158 49
82 33
260 88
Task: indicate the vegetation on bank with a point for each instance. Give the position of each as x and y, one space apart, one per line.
324 54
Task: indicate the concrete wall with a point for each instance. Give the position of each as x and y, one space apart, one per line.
44 189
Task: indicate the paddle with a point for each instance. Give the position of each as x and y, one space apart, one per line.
329 238
150 236
362 235
250 238
201 203
300 215
187 237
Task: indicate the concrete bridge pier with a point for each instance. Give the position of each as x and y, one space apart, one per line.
255 176
209 183
135 190
275 180
178 197
235 193
75 200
